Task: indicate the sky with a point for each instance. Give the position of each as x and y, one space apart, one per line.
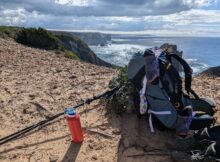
157 17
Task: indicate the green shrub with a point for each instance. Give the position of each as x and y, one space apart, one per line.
9 31
38 38
71 55
121 100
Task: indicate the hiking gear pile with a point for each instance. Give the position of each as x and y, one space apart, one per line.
161 92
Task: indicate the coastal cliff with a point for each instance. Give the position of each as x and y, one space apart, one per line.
66 44
80 48
93 38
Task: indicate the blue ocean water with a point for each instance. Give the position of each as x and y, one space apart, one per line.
200 52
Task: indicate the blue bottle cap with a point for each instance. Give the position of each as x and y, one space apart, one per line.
70 111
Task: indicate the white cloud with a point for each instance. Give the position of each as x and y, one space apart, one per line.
160 16
13 17
73 2
202 3
100 7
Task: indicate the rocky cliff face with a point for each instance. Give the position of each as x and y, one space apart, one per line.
81 49
58 41
213 71
94 38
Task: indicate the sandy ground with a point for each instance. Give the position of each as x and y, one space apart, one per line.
35 84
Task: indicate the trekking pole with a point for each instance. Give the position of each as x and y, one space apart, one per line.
17 134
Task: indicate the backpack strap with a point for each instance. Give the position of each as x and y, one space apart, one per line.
187 71
150 112
176 95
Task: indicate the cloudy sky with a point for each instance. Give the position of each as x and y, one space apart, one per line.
162 17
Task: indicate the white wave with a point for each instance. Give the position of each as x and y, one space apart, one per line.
120 54
196 65
190 59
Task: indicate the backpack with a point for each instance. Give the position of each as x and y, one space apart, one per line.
165 96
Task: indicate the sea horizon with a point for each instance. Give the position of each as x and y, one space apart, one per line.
200 52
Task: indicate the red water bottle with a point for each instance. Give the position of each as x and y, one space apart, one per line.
73 122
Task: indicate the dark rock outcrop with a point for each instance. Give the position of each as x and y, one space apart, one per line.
214 71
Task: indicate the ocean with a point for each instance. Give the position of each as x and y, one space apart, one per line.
200 52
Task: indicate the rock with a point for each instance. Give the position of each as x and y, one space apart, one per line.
213 71
53 158
80 48
94 157
94 38
178 156
117 131
180 144
90 146
73 77
32 96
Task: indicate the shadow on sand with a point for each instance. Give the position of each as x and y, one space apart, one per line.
71 153
34 144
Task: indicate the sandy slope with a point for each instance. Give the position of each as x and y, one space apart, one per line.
35 83
29 77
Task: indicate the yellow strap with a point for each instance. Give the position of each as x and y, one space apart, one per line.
168 66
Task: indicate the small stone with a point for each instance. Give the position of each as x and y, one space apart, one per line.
94 157
72 77
53 158
90 146
58 70
117 131
31 95
24 111
102 128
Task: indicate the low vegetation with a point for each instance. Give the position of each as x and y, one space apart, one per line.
62 43
9 32
71 55
122 99
37 38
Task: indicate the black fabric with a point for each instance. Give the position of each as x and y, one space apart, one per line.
187 71
138 79
217 148
148 52
201 105
201 122
172 84
214 133
175 93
